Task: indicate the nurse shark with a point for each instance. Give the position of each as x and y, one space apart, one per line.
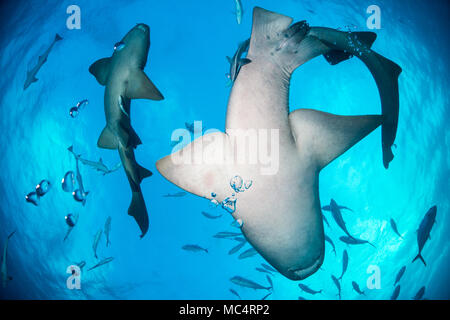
124 79
281 212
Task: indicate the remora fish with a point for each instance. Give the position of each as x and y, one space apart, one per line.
31 74
236 62
394 227
344 264
4 270
419 294
356 288
97 237
328 239
107 230
102 262
124 79
226 234
83 193
240 281
193 248
338 285
353 241
399 275
307 289
423 233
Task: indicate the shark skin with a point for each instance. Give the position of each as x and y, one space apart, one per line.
281 212
124 79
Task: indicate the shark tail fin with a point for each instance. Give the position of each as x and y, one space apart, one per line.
58 37
138 211
328 136
419 256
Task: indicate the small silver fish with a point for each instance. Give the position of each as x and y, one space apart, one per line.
193 248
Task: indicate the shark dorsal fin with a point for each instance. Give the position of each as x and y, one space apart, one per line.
141 87
100 69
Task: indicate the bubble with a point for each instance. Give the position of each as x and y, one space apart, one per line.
32 198
236 183
74 112
214 203
213 194
43 187
78 196
68 181
229 204
70 220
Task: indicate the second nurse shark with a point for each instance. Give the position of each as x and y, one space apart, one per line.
293 239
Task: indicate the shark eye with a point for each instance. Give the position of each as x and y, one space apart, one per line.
119 46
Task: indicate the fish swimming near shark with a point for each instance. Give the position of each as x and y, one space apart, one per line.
100 166
243 282
357 289
248 253
338 285
97 238
354 241
3 268
423 233
235 293
31 74
328 239
395 293
237 247
226 234
80 194
262 270
124 79
175 195
307 289
394 227
210 216
292 240
107 230
102 262
399 275
328 208
325 220
419 295
237 61
344 264
239 11
337 216
194 248
267 267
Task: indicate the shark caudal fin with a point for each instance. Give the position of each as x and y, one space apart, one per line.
419 256
326 135
344 45
138 211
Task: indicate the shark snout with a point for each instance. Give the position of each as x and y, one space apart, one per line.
143 27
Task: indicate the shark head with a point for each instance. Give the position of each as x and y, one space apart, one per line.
134 45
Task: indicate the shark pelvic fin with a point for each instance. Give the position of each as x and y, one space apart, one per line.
100 70
138 211
326 135
141 87
107 139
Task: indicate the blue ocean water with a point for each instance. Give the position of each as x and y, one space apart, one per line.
189 42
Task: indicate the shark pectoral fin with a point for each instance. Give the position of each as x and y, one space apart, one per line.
326 135
138 211
200 167
100 70
244 61
141 87
107 139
